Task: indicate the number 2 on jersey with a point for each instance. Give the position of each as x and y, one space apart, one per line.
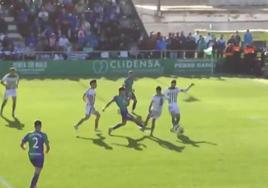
35 146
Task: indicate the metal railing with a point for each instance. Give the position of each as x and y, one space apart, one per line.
112 54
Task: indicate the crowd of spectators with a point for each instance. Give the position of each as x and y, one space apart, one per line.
103 25
191 45
73 25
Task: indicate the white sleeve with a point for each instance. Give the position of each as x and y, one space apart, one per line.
4 78
166 94
178 90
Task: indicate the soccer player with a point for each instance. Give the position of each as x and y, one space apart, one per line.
89 97
155 108
10 81
122 103
172 95
36 141
128 84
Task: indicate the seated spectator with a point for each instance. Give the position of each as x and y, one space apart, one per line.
31 41
3 24
64 43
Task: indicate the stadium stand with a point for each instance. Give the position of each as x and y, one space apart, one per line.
72 25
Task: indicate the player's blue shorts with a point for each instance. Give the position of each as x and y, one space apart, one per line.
125 115
37 161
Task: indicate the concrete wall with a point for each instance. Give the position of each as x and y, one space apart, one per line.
238 2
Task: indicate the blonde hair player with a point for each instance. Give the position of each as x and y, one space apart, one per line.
10 81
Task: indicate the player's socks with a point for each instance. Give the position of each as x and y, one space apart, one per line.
152 130
110 131
34 180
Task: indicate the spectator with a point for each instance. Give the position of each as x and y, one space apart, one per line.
196 36
208 38
201 46
161 45
31 41
190 46
237 38
4 25
64 43
231 40
221 45
248 39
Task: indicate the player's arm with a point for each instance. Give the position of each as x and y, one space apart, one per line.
22 145
18 80
166 97
150 106
23 142
47 144
107 105
3 81
188 88
84 97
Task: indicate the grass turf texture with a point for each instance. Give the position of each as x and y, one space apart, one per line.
225 143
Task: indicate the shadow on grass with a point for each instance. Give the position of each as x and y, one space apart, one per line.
13 123
166 144
99 141
134 143
191 99
187 140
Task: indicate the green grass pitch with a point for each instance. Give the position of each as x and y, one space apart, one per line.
224 145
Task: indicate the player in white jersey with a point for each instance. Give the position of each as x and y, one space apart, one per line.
155 108
89 97
11 82
172 95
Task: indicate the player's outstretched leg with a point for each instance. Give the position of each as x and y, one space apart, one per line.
153 126
81 121
138 122
14 99
117 126
173 123
35 177
3 106
147 119
97 121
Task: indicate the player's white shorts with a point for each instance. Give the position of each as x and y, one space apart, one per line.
174 109
90 110
155 114
10 93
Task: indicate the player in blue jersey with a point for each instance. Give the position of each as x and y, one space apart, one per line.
36 141
122 103
128 84
172 95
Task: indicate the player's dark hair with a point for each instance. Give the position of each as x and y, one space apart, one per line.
158 88
173 81
92 82
37 123
121 89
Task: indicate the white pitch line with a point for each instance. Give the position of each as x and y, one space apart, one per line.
5 183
